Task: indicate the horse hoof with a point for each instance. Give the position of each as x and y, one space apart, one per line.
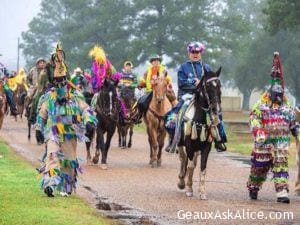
189 194
129 146
203 196
158 163
103 166
95 160
89 162
181 185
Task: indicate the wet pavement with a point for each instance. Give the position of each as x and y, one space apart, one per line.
134 193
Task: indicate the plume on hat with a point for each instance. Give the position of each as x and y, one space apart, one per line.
98 54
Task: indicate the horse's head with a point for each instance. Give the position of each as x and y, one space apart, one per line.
159 87
108 102
210 88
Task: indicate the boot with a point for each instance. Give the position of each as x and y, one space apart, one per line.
283 200
49 191
253 194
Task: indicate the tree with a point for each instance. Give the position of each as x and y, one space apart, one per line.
282 15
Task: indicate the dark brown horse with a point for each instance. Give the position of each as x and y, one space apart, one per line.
19 97
126 124
154 119
107 109
199 131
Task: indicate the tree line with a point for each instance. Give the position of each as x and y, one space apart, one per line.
239 35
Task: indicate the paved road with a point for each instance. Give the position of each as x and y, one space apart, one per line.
135 193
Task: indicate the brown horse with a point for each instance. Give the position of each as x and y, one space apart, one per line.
3 103
154 119
19 97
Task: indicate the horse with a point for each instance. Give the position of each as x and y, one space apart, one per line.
197 133
126 124
3 103
19 97
107 110
154 117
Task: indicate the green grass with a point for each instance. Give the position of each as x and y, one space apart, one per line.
23 202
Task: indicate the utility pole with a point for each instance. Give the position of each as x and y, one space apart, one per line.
18 60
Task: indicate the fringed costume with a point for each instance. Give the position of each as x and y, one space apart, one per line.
271 120
62 117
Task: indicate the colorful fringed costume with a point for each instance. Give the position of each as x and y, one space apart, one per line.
271 120
271 124
63 115
62 125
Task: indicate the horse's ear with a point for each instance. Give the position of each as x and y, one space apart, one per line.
219 71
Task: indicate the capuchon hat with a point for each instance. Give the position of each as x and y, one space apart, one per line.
276 72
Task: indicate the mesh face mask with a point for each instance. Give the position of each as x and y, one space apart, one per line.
276 93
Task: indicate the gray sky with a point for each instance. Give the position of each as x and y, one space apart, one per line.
14 16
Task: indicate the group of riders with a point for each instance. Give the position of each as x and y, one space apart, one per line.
61 105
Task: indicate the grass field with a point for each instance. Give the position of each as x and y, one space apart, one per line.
22 202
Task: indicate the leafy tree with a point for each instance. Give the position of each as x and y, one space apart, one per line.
284 17
282 14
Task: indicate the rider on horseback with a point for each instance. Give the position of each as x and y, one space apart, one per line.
189 76
153 71
126 86
8 92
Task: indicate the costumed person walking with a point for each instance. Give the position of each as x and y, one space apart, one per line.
153 71
63 115
271 120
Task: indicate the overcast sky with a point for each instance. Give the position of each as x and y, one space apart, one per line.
14 16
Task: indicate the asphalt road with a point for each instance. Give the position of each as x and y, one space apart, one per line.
134 193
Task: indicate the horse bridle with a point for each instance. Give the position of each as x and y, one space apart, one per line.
203 90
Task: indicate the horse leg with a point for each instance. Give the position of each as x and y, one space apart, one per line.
120 137
99 144
109 135
190 172
297 189
29 131
183 166
130 136
161 138
204 158
153 146
124 137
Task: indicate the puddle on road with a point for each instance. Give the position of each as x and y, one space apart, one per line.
124 214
